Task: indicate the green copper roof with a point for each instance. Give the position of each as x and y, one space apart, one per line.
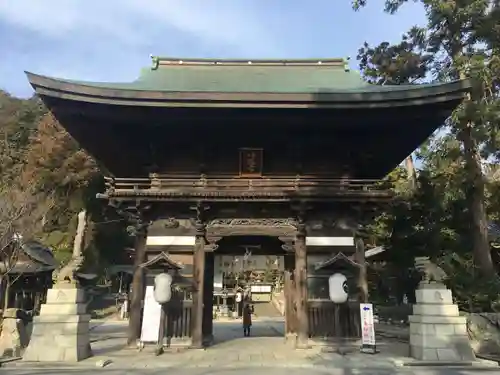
266 76
297 76
280 83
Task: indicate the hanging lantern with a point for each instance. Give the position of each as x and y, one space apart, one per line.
338 288
163 288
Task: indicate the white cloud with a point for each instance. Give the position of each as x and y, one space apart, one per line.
216 22
52 19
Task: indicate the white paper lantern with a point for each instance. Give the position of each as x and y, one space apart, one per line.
337 285
163 288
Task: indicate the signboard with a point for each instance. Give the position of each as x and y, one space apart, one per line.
261 288
251 162
368 344
151 317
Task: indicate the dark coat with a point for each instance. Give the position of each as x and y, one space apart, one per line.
247 315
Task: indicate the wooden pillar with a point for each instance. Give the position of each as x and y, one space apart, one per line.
198 281
301 286
289 293
362 272
208 293
138 287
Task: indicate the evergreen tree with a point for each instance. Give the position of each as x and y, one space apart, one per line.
462 37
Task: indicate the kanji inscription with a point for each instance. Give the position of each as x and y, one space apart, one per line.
251 162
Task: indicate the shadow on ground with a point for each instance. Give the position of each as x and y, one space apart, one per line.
233 330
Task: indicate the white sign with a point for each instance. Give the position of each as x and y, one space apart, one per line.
261 288
367 328
151 317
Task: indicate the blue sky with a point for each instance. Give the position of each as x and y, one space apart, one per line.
110 40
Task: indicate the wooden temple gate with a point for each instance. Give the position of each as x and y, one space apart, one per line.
192 318
217 141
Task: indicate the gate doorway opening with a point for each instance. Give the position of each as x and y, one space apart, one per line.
247 271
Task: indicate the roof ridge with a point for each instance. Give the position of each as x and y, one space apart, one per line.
158 61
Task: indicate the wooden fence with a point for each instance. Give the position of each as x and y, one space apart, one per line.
178 319
330 320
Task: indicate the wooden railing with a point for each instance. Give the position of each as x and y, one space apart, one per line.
178 320
217 187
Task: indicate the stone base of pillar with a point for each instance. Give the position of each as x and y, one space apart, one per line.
291 339
13 337
437 332
208 340
61 331
302 343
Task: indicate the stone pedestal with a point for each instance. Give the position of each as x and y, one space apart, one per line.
61 331
437 332
13 337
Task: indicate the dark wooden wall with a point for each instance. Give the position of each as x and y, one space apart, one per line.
287 151
330 320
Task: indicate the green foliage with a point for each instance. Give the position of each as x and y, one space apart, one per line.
472 292
446 216
38 156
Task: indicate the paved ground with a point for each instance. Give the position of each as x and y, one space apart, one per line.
266 309
232 354
240 371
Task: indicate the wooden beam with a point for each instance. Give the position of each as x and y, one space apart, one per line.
208 290
289 293
198 276
138 287
301 287
362 270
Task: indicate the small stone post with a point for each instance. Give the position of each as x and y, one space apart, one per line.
61 331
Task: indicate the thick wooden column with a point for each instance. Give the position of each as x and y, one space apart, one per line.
208 292
198 281
289 294
362 272
138 287
301 286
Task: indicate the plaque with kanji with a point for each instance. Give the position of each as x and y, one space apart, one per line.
251 162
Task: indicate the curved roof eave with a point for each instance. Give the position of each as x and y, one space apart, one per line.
376 96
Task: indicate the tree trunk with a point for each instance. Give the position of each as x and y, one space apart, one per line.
410 169
476 198
475 177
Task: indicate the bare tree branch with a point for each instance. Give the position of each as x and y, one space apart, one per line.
22 213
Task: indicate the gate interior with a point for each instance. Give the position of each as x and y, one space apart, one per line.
246 270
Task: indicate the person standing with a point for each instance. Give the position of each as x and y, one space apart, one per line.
247 319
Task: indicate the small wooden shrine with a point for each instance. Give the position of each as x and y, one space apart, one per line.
28 278
295 150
